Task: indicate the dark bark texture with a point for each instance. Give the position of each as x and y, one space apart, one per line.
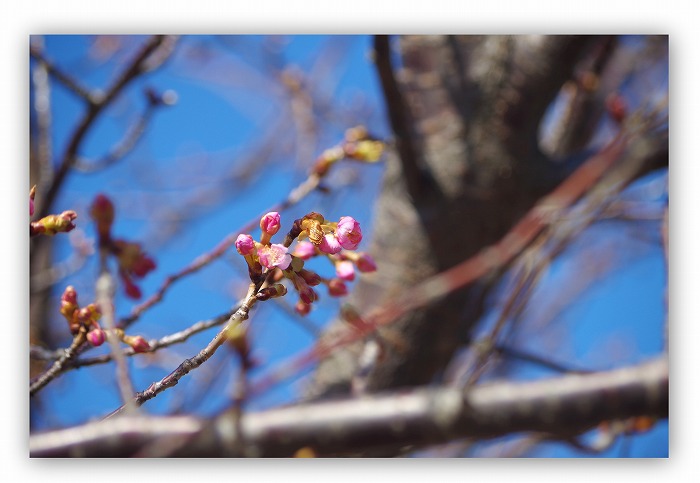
465 113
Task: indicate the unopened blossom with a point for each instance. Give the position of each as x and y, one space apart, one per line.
306 293
329 244
365 263
132 259
52 224
138 343
131 289
301 308
32 194
245 244
273 256
102 211
337 288
69 303
312 278
304 250
348 233
96 337
345 270
270 223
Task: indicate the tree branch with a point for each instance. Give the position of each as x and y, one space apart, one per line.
562 406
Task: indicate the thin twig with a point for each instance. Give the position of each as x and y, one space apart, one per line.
138 66
58 366
105 300
72 84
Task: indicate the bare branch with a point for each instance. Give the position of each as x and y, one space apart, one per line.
563 406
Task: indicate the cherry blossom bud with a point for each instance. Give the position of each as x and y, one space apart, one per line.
306 293
345 270
337 288
348 233
273 291
301 308
96 337
52 224
274 255
102 211
32 194
269 224
304 250
138 343
69 303
329 244
365 263
245 245
130 288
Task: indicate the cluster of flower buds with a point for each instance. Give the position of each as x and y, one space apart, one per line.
86 318
358 145
50 224
82 318
133 261
316 236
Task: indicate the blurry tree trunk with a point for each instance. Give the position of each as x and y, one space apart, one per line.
465 112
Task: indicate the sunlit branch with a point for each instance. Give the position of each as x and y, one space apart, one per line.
563 406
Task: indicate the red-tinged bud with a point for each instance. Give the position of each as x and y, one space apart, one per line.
271 292
130 288
365 263
32 194
337 288
311 278
143 265
52 224
301 308
306 293
345 270
138 343
102 211
96 337
616 107
83 316
132 259
69 304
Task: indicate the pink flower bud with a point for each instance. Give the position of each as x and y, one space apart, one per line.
96 337
270 223
312 278
365 263
301 308
337 288
245 244
329 244
345 270
348 233
306 293
102 211
274 256
304 250
138 343
130 288
32 193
